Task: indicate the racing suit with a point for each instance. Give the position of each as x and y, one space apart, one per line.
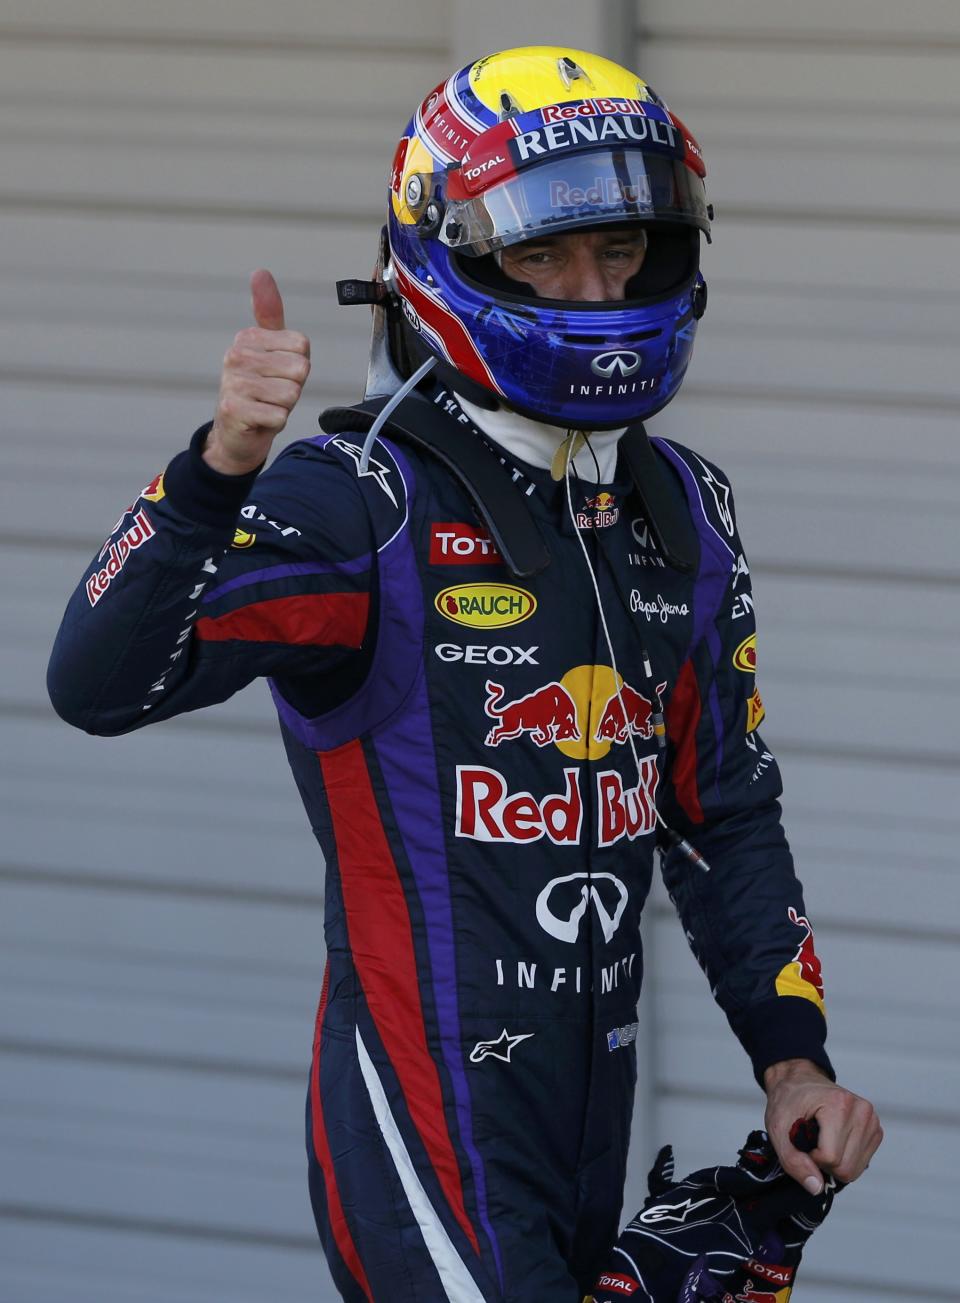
483 784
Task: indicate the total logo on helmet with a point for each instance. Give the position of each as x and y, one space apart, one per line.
583 713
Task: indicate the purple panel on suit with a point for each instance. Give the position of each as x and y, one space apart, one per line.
713 579
293 569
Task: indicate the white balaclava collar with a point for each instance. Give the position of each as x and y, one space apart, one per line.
537 444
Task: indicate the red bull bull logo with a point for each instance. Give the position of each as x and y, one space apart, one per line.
803 976
547 714
584 713
627 714
598 512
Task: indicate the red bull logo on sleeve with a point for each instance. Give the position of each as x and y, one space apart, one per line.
485 606
119 550
755 711
154 491
803 976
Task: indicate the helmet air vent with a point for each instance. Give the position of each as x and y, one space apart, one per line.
570 71
509 107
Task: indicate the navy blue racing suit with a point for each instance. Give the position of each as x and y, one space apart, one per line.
483 783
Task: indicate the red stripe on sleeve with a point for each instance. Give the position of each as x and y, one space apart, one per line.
311 620
321 1147
682 720
381 942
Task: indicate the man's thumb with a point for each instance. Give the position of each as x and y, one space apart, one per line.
267 303
803 1169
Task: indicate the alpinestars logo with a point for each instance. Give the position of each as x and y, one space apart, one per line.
721 497
663 1214
375 469
500 1049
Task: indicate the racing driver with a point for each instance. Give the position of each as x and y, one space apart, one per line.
510 642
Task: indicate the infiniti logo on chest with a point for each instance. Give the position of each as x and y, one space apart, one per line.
622 361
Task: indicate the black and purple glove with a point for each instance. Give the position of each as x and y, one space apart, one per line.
724 1234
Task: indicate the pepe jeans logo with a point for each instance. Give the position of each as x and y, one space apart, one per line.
657 609
624 361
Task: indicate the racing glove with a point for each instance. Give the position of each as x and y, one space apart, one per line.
725 1234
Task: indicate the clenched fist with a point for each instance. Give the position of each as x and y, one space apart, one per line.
263 376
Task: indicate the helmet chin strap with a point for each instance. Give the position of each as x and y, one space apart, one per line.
410 383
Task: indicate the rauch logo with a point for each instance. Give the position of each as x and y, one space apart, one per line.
486 606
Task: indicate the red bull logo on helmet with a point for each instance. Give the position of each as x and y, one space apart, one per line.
803 976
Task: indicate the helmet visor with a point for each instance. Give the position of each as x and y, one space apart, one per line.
614 185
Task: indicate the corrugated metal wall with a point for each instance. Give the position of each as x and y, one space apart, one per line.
160 925
825 382
159 982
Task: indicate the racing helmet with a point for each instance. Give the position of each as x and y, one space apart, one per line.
533 142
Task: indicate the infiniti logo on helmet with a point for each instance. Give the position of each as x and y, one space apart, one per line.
623 360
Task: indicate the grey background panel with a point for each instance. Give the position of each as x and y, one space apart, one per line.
160 895
824 385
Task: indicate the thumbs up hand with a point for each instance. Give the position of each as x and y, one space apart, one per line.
263 375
